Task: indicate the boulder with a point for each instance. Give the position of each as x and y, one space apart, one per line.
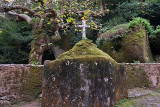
126 44
83 76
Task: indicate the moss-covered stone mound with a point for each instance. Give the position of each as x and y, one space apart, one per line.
83 49
84 76
126 44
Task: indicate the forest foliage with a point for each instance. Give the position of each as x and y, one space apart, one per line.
101 15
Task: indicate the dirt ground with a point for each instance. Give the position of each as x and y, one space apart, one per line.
36 103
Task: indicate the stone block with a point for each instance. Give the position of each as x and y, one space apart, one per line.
84 76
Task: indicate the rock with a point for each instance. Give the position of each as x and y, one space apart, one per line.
5 103
83 76
127 45
40 96
61 46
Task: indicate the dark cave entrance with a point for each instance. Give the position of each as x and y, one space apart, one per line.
48 55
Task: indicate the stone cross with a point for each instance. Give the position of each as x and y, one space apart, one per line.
84 26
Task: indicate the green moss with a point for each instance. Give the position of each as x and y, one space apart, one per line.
83 51
128 46
122 28
128 103
31 83
37 42
114 33
137 77
136 46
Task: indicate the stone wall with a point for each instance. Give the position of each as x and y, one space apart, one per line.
143 75
23 82
19 82
82 82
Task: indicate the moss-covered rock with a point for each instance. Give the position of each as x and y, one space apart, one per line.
83 76
126 44
84 49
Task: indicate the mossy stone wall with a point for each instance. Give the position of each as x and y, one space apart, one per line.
143 75
20 82
23 82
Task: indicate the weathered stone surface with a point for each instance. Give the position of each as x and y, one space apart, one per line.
19 83
138 75
143 75
84 76
139 97
127 45
5 103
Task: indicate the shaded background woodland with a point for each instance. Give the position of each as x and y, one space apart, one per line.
16 34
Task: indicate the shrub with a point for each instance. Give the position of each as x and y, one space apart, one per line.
112 22
15 41
128 10
156 32
148 10
151 12
140 22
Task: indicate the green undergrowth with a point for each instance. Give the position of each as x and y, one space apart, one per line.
156 32
136 22
131 102
114 33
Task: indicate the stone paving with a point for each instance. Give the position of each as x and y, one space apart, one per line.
138 97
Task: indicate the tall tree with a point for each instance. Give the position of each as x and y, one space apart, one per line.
41 14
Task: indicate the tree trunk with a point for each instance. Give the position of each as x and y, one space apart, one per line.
101 8
38 46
